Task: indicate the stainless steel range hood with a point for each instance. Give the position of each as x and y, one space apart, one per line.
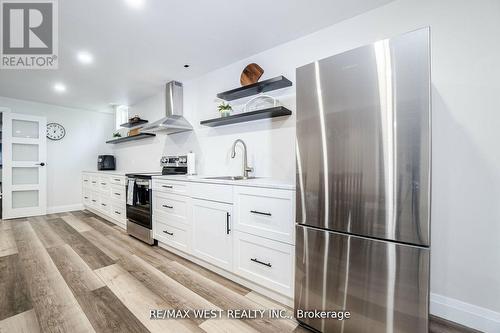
174 121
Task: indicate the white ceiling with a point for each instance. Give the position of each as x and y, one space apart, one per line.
137 50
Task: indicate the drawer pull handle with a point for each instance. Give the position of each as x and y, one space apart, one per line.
103 183
117 179
167 186
85 197
260 262
94 200
260 213
117 193
118 213
103 204
85 180
167 206
94 182
168 233
227 223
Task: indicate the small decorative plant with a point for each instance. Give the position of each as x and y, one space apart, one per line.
224 109
117 135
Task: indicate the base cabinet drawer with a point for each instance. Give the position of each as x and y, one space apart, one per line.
117 180
104 184
94 182
170 186
118 193
265 212
173 234
94 200
86 197
86 180
264 261
104 204
171 207
118 212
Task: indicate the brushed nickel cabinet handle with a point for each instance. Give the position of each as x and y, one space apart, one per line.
167 206
168 233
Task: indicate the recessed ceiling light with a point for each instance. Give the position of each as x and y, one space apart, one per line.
135 3
59 87
85 57
186 66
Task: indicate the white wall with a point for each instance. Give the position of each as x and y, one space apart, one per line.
465 276
86 133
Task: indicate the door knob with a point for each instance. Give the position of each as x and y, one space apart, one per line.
41 164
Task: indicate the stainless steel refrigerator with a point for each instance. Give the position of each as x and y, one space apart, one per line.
363 187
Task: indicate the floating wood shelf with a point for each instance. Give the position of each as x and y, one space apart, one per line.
256 88
139 136
273 112
133 124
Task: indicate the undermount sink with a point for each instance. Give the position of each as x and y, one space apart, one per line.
230 178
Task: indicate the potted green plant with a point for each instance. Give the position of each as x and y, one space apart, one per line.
117 135
224 109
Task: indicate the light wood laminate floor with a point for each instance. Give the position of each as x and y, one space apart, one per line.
74 272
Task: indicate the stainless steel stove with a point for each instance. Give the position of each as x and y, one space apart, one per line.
140 197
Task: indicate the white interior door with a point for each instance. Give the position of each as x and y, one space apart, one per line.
24 171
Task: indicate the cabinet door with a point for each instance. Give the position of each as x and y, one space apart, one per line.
212 234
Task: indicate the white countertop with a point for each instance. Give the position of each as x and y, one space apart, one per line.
256 182
116 172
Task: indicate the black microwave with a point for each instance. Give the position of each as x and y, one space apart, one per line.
106 162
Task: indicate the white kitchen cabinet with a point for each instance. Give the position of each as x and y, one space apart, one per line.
171 186
212 234
264 261
118 192
172 215
171 207
104 194
174 234
244 233
265 212
86 196
213 192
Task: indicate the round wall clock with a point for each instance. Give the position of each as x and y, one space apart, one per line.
55 131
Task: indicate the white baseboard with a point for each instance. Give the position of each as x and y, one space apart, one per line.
62 209
466 314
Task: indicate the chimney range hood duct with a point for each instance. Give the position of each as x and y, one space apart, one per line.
174 121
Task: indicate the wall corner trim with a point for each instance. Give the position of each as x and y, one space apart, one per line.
466 314
62 209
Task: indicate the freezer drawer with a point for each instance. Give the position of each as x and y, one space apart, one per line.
384 285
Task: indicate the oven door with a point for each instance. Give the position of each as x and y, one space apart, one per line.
140 210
